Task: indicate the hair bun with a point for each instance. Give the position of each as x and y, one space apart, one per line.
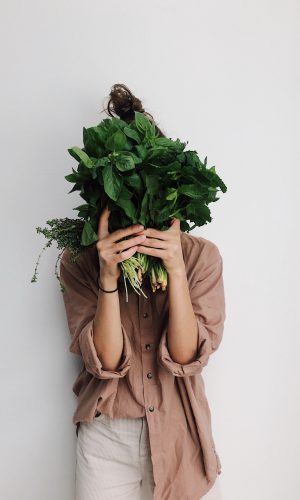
123 103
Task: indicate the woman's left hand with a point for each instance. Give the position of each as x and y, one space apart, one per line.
166 245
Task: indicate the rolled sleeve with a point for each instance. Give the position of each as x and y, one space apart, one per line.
91 360
80 299
187 369
208 301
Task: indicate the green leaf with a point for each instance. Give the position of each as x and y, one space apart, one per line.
163 214
134 181
112 182
172 194
165 142
125 194
76 187
132 134
80 155
144 125
128 208
85 206
71 177
190 190
94 141
117 141
152 184
141 151
83 210
88 235
124 162
221 184
144 209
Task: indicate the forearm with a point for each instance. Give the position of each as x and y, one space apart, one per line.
108 338
182 325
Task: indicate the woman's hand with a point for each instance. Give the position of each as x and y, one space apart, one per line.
108 245
165 245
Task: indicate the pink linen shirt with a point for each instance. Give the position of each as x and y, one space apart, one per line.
148 382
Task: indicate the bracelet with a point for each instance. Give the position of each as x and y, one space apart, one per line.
107 291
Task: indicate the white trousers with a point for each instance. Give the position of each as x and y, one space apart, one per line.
113 461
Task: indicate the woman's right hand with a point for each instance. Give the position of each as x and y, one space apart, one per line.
108 245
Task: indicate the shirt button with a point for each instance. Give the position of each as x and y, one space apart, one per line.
151 408
145 315
149 375
148 347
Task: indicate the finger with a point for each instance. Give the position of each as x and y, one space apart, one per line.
121 233
122 245
156 233
151 251
126 254
155 243
103 223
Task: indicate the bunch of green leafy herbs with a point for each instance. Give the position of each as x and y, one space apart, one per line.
143 178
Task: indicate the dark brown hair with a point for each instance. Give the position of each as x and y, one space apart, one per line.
123 103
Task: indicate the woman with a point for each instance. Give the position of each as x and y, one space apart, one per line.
143 421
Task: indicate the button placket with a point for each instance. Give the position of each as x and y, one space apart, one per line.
147 360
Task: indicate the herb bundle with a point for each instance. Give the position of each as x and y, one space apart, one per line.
144 179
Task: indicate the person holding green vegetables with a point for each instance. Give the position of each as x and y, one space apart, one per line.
143 421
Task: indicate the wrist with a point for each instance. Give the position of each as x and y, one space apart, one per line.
108 281
178 271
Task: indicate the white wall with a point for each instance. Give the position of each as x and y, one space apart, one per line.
224 76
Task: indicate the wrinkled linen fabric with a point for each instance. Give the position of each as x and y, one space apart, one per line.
148 382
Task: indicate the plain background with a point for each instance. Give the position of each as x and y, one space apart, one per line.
225 77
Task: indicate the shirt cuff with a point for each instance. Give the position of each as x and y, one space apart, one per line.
90 357
187 369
